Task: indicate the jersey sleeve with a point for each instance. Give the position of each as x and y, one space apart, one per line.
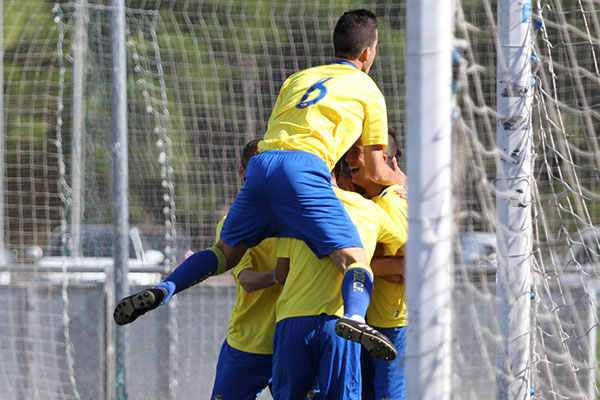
395 206
390 235
375 129
245 263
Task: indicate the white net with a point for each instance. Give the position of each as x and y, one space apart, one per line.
565 201
202 78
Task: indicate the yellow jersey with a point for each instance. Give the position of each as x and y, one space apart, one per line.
324 110
388 305
313 285
252 322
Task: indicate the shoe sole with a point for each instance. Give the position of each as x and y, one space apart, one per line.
133 306
376 346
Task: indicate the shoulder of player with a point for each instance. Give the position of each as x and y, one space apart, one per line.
337 70
389 194
365 205
348 197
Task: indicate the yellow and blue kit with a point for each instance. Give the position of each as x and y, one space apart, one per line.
319 113
247 353
388 314
306 347
388 306
323 110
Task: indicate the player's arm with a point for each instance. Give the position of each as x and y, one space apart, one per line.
283 260
374 139
386 266
389 268
252 280
282 270
377 169
394 278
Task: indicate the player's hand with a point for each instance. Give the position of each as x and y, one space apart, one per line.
274 278
401 175
402 191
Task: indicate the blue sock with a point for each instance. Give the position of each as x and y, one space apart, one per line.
357 287
197 268
168 289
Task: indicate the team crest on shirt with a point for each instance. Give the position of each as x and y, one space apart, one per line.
396 313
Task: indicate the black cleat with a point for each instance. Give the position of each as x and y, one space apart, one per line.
376 343
137 304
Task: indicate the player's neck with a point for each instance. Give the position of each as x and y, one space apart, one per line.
372 189
356 63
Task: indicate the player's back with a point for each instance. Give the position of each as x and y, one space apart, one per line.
312 285
324 110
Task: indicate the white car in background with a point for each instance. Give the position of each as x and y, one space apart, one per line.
478 249
96 256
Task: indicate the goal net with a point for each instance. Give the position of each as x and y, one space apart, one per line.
564 199
202 78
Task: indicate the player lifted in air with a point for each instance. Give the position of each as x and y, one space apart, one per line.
319 113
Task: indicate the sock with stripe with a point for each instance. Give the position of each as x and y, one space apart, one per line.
357 287
197 268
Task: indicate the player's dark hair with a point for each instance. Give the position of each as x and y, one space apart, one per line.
337 168
354 31
391 150
249 151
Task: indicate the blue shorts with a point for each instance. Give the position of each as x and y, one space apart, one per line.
241 375
386 379
288 193
307 351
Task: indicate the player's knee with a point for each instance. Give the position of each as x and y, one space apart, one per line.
233 255
348 256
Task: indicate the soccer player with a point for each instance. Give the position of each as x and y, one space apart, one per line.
306 346
387 311
319 113
245 361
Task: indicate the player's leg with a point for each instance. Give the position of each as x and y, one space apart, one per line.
203 264
339 376
308 209
294 370
357 287
241 375
194 269
357 284
248 223
384 379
